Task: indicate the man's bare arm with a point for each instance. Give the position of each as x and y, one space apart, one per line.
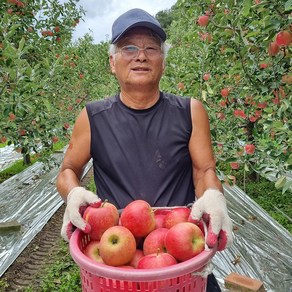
76 156
204 164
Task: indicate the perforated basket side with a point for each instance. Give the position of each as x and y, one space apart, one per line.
79 240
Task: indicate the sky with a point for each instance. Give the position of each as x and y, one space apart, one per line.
100 15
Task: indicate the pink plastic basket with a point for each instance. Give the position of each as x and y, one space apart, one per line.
182 277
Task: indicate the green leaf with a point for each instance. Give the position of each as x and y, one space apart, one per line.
246 7
21 44
289 160
280 182
204 95
47 104
287 186
246 168
209 89
288 5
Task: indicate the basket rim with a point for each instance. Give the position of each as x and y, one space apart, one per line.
102 270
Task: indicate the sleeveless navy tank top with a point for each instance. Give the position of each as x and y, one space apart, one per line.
142 154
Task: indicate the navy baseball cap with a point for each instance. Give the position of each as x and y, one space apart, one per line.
133 18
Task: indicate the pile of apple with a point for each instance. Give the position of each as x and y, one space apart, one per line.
141 237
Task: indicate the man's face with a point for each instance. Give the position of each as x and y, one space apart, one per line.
142 70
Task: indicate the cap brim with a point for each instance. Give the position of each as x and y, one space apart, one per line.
149 25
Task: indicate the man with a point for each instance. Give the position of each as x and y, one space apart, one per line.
145 144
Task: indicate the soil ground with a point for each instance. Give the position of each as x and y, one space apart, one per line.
38 254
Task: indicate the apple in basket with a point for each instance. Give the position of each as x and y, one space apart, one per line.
155 241
184 241
117 246
100 219
92 251
159 220
137 256
176 215
138 217
156 260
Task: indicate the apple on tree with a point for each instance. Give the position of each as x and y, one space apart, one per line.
117 246
184 241
225 92
100 219
249 148
284 38
203 20
273 49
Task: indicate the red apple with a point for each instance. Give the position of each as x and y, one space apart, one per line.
206 76
184 241
92 251
273 49
284 38
203 20
154 241
234 165
263 65
176 215
55 139
3 139
100 219
180 86
249 148
117 246
138 217
225 92
159 220
137 256
156 260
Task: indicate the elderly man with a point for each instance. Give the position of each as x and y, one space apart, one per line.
145 144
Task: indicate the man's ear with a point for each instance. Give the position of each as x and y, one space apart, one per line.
112 64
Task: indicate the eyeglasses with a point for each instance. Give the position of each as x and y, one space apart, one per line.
131 51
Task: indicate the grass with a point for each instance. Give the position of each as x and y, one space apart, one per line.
62 276
19 166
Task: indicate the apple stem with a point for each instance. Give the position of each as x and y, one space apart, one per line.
158 251
103 203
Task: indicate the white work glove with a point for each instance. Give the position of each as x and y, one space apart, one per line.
211 207
77 201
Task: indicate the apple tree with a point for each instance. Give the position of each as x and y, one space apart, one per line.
31 34
236 58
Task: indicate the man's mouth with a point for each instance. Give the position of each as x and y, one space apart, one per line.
142 69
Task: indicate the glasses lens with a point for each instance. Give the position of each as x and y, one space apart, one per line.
130 51
152 51
133 51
